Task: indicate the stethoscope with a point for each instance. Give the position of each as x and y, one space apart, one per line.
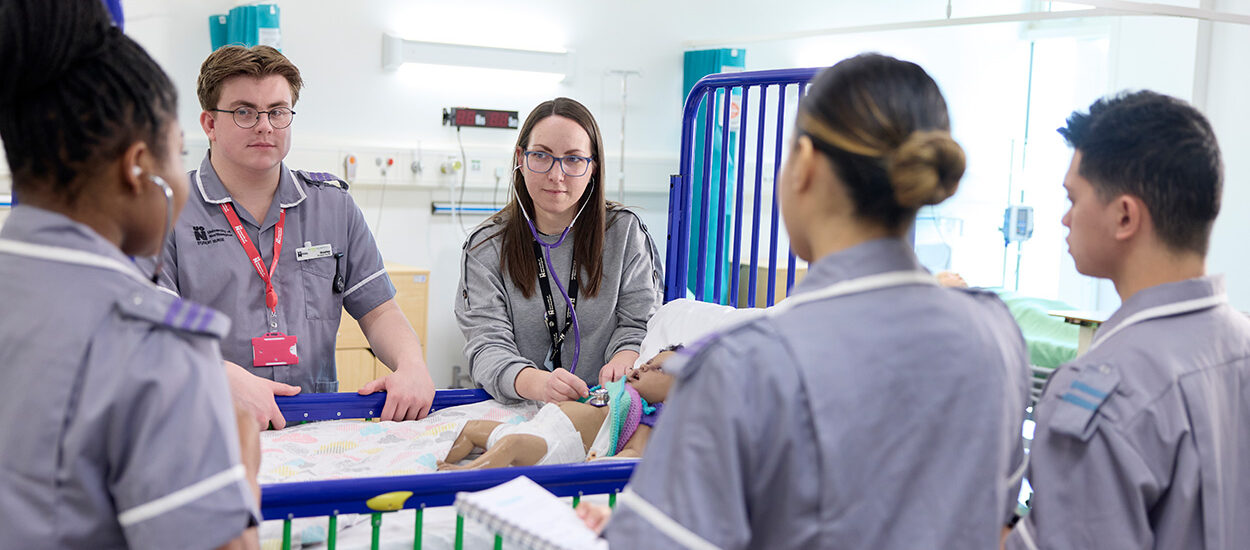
577 334
169 220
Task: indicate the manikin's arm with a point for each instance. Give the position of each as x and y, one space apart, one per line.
636 444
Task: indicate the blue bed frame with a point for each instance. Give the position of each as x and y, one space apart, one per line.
333 497
682 185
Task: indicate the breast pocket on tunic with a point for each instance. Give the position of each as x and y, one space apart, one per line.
320 300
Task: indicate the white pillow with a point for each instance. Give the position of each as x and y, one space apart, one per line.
683 321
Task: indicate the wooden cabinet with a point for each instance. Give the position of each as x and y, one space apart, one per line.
761 284
356 363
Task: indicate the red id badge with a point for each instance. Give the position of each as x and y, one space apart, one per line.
274 349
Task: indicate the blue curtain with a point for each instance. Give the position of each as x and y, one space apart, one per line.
698 64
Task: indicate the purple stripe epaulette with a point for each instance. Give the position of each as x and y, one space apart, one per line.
321 178
166 309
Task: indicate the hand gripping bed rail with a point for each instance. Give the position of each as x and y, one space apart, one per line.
706 94
335 406
378 495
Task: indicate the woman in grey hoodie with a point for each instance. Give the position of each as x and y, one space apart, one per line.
556 289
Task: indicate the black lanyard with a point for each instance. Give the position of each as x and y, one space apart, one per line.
557 336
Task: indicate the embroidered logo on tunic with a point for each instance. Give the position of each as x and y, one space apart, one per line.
209 236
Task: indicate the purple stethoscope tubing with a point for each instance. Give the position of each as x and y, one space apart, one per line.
577 333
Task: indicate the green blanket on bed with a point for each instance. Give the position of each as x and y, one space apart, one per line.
1052 342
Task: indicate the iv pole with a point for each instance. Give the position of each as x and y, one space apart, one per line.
624 74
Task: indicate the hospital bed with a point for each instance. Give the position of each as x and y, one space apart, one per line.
737 106
377 497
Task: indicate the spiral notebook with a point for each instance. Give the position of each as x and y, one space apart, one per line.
528 515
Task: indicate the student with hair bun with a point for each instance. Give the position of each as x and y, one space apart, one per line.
872 409
116 425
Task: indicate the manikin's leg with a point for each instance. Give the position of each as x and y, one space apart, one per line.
510 450
473 436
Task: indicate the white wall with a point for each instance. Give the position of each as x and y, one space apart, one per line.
1229 112
351 105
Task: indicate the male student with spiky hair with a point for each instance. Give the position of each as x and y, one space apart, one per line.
1144 441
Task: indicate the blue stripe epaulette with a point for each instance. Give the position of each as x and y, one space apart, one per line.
321 179
1076 411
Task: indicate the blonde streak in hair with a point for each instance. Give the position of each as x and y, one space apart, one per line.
886 123
824 133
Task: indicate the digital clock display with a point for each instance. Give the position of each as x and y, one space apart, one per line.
480 118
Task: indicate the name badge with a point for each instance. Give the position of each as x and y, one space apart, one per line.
274 349
310 252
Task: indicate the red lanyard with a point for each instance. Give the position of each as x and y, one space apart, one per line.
271 296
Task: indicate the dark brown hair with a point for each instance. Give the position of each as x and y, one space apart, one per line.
231 61
883 124
516 255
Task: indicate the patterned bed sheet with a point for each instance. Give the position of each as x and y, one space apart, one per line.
339 449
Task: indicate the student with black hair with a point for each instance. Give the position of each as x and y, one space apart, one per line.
1144 441
116 425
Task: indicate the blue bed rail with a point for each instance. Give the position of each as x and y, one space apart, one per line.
334 406
682 186
349 496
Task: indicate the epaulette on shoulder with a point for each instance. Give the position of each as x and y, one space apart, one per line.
1080 399
165 309
321 179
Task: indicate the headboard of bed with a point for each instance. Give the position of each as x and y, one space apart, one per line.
721 203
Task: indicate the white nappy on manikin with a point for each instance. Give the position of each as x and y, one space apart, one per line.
564 444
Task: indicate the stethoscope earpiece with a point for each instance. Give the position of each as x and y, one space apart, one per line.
169 217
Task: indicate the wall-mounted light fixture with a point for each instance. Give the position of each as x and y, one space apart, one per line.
396 51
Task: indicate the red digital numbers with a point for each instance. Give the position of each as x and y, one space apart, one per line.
497 120
485 118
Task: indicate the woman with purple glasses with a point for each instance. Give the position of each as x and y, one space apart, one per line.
556 289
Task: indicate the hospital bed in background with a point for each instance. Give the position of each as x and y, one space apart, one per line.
1051 340
759 100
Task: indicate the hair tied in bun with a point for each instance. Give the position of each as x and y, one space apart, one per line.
926 168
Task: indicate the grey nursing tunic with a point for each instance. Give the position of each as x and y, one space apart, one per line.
116 427
1144 441
888 419
206 263
506 332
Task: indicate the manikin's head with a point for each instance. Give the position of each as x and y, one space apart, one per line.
1146 171
650 379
